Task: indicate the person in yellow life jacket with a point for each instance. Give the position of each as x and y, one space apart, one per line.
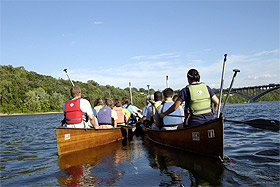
156 103
77 110
198 97
121 112
98 104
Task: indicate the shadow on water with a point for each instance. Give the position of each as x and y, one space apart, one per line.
200 170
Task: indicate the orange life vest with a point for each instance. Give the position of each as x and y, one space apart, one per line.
121 117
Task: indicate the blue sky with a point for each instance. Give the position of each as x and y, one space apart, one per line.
117 42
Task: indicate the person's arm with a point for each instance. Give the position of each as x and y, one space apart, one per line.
215 100
172 108
92 121
115 123
115 118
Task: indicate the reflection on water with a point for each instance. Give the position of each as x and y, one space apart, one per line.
29 156
178 164
93 166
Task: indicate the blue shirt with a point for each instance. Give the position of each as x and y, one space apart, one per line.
129 108
94 112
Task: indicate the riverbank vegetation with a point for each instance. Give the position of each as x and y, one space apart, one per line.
24 91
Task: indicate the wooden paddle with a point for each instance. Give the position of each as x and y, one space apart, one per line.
260 123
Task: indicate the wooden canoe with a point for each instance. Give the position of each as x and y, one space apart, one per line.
206 139
75 139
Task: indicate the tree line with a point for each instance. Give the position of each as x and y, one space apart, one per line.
24 91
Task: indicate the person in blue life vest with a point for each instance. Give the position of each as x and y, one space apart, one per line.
198 97
174 119
78 112
107 117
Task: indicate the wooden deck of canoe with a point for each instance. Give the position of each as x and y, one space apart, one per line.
75 139
206 139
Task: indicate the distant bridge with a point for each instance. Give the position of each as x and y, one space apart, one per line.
252 94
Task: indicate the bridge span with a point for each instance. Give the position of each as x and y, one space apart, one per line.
252 93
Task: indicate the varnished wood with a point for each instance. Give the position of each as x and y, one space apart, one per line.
75 139
203 143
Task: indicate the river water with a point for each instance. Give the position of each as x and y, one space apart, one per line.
29 156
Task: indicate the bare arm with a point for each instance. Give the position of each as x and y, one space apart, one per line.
172 108
92 121
215 100
115 123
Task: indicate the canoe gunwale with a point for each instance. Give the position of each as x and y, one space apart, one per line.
76 139
213 147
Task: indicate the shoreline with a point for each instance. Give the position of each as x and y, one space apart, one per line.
22 114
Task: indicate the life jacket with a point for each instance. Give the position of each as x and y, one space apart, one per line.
105 116
129 108
157 104
73 112
174 118
200 101
121 116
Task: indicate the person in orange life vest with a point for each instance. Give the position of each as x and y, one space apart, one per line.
107 118
76 109
121 112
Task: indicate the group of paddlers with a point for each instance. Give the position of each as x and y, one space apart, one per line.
166 114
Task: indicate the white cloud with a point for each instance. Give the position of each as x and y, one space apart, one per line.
255 69
98 22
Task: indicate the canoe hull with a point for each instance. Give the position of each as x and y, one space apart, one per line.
75 139
206 139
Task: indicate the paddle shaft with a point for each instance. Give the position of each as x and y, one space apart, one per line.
230 87
222 84
130 93
65 70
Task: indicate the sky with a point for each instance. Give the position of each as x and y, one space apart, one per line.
116 42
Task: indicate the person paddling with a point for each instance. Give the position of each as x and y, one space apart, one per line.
197 97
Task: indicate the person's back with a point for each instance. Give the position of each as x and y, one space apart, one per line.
158 101
104 116
107 118
78 112
121 113
198 97
174 119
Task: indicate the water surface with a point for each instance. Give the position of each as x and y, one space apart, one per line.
29 156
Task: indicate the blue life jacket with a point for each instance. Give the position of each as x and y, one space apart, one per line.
104 116
174 118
